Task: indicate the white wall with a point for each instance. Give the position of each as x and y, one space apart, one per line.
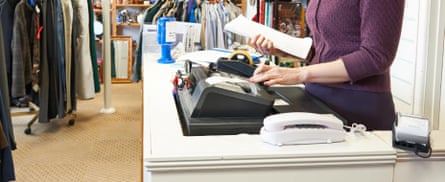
417 70
407 71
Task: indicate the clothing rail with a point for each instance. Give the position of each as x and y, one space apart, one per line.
34 109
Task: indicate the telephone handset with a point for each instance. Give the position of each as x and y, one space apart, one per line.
302 128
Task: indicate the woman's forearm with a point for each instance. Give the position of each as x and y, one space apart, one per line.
329 72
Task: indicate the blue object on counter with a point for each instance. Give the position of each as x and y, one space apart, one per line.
166 38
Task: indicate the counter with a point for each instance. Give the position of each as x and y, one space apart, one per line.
411 168
170 156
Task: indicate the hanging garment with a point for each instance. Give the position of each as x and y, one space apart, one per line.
223 19
203 22
44 70
73 82
191 11
93 47
52 93
113 62
210 26
184 11
22 48
56 52
3 139
7 172
6 12
36 53
7 16
179 11
198 14
214 17
84 68
233 12
3 146
151 12
67 10
163 10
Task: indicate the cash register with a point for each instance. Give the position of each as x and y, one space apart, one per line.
219 100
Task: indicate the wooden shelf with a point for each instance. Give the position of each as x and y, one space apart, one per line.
133 5
128 24
115 8
98 11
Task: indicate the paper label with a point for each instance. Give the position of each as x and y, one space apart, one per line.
170 31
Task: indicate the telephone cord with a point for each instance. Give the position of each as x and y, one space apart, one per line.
356 128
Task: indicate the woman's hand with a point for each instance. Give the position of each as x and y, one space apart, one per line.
271 75
265 46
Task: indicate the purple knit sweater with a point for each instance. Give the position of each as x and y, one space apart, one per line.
364 33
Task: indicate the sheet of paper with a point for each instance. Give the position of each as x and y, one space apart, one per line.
298 47
204 57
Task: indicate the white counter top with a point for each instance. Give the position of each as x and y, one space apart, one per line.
166 148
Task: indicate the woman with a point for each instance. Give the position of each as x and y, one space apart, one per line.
355 43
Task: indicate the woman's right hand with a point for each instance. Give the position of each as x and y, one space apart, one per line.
272 75
265 46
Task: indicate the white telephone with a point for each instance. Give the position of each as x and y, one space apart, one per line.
302 128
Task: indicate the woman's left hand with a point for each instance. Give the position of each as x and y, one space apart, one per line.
265 46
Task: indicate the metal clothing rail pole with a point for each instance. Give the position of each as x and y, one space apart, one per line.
107 109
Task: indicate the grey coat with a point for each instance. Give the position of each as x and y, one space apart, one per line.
22 41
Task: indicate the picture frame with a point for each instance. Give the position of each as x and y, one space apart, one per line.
121 59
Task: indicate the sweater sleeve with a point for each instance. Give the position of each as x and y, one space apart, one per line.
381 23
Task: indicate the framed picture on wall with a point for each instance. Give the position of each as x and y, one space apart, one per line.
121 59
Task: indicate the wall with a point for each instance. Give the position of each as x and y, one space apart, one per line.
417 71
407 71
